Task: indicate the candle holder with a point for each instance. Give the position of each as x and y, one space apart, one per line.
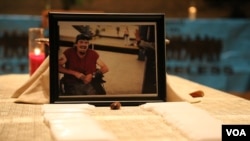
36 50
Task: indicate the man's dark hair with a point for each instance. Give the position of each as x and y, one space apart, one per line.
83 36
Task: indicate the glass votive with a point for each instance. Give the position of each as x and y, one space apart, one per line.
36 50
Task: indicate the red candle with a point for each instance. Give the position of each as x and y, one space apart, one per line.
35 60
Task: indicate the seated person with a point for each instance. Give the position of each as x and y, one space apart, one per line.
79 66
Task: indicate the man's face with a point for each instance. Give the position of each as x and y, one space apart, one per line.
82 47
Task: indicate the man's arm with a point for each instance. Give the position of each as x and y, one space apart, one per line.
102 65
62 60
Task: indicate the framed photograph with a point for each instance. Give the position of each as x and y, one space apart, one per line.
101 58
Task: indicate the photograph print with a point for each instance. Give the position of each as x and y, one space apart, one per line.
105 58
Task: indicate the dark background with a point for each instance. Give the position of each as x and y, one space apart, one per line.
172 8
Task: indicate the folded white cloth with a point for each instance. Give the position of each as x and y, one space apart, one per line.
36 89
82 128
71 122
196 124
47 117
66 108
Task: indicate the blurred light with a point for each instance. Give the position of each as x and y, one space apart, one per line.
192 11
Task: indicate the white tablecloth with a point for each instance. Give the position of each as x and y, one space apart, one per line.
22 121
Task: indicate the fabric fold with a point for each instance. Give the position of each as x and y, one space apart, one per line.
66 108
36 89
178 90
72 122
195 123
79 129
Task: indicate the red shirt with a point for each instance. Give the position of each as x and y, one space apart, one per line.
86 65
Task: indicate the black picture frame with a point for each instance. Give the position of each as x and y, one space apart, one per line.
153 88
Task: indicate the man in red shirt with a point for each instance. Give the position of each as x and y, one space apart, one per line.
79 66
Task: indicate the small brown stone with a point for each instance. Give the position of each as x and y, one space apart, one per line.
115 105
198 93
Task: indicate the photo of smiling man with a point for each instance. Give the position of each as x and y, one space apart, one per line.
80 66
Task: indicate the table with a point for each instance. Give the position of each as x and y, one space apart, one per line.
20 121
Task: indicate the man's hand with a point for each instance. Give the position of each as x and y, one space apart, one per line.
78 75
87 79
